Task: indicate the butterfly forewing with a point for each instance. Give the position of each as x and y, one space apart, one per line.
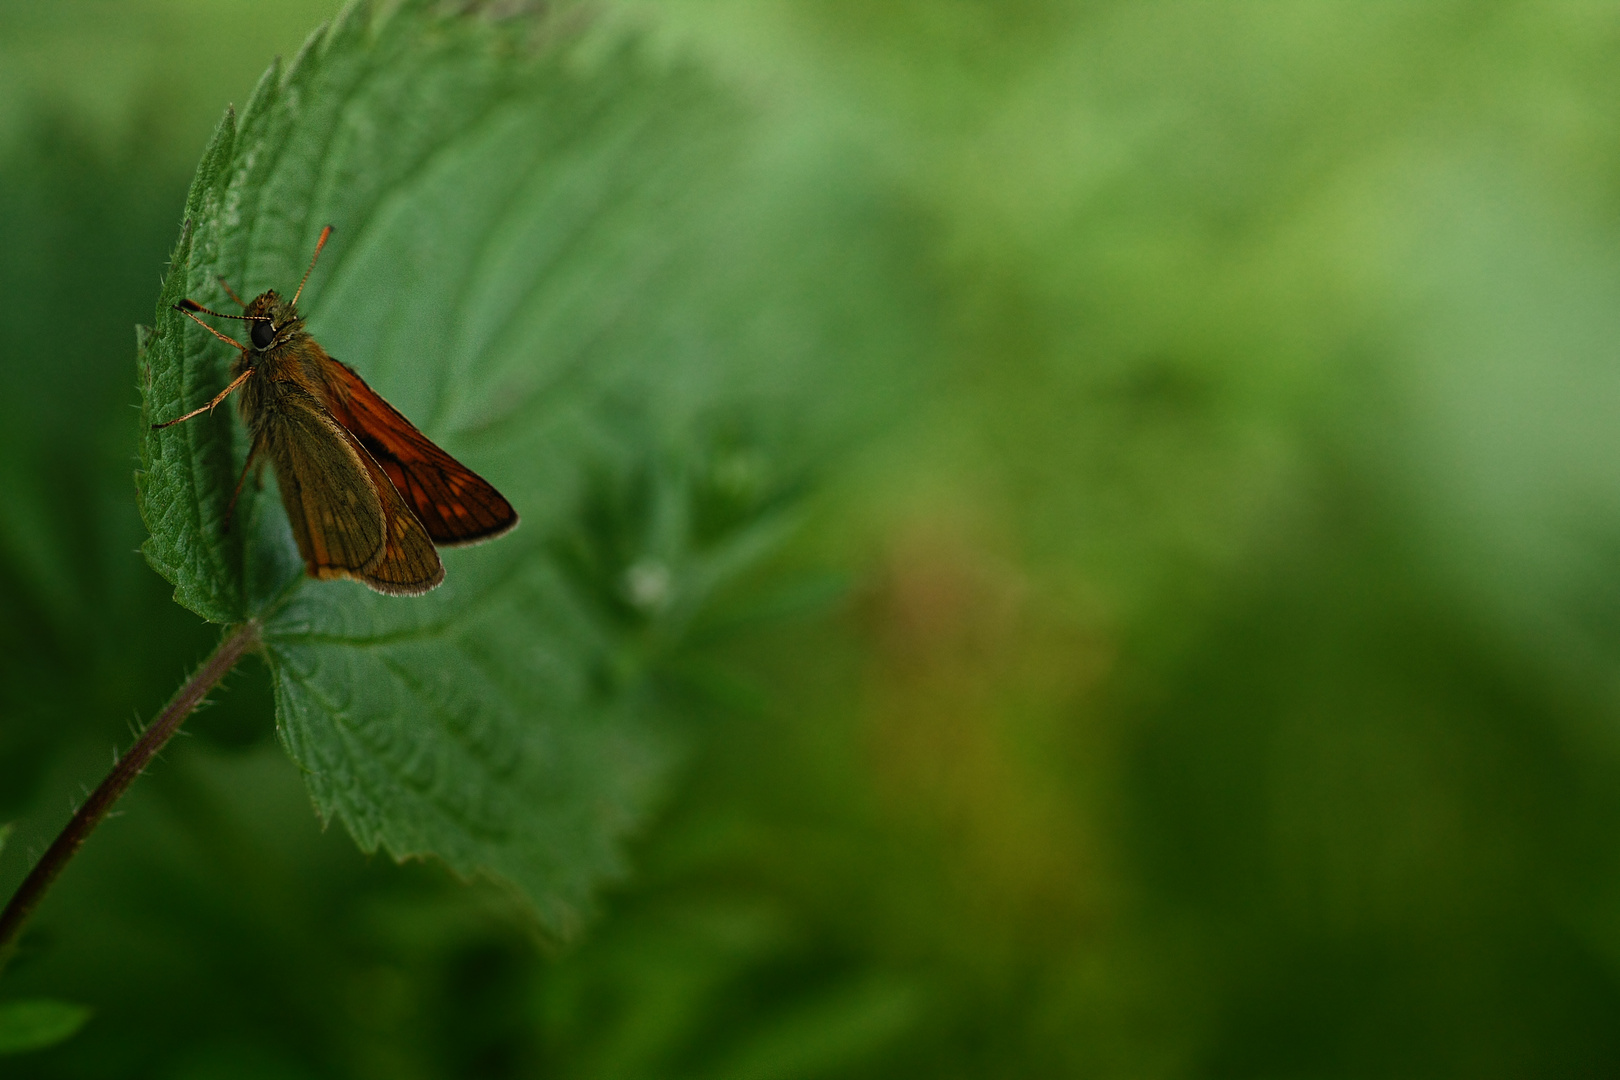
454 504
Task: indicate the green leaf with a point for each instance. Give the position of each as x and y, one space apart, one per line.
566 261
36 1023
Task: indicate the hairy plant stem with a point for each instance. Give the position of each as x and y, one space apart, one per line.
240 641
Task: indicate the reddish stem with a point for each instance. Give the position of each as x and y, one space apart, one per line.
236 644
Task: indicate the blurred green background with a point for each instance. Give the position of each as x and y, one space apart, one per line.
1228 683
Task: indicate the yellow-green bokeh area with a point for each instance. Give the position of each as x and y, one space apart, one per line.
1224 681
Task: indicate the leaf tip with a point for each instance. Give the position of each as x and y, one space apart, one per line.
262 91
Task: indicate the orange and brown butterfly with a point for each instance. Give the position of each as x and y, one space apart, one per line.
368 495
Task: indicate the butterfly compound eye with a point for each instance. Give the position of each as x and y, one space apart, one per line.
262 333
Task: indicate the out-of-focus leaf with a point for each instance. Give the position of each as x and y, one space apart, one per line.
36 1023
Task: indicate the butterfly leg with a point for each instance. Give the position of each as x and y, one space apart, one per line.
230 292
219 397
230 508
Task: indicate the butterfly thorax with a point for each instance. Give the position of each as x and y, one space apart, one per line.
284 358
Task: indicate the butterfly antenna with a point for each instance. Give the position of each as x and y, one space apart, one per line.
326 232
192 305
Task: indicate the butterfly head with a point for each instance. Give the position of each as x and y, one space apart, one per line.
272 320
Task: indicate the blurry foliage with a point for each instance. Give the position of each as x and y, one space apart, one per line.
1225 681
35 1024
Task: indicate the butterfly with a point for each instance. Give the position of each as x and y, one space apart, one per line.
368 495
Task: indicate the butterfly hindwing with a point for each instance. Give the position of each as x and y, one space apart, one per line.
331 501
409 565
